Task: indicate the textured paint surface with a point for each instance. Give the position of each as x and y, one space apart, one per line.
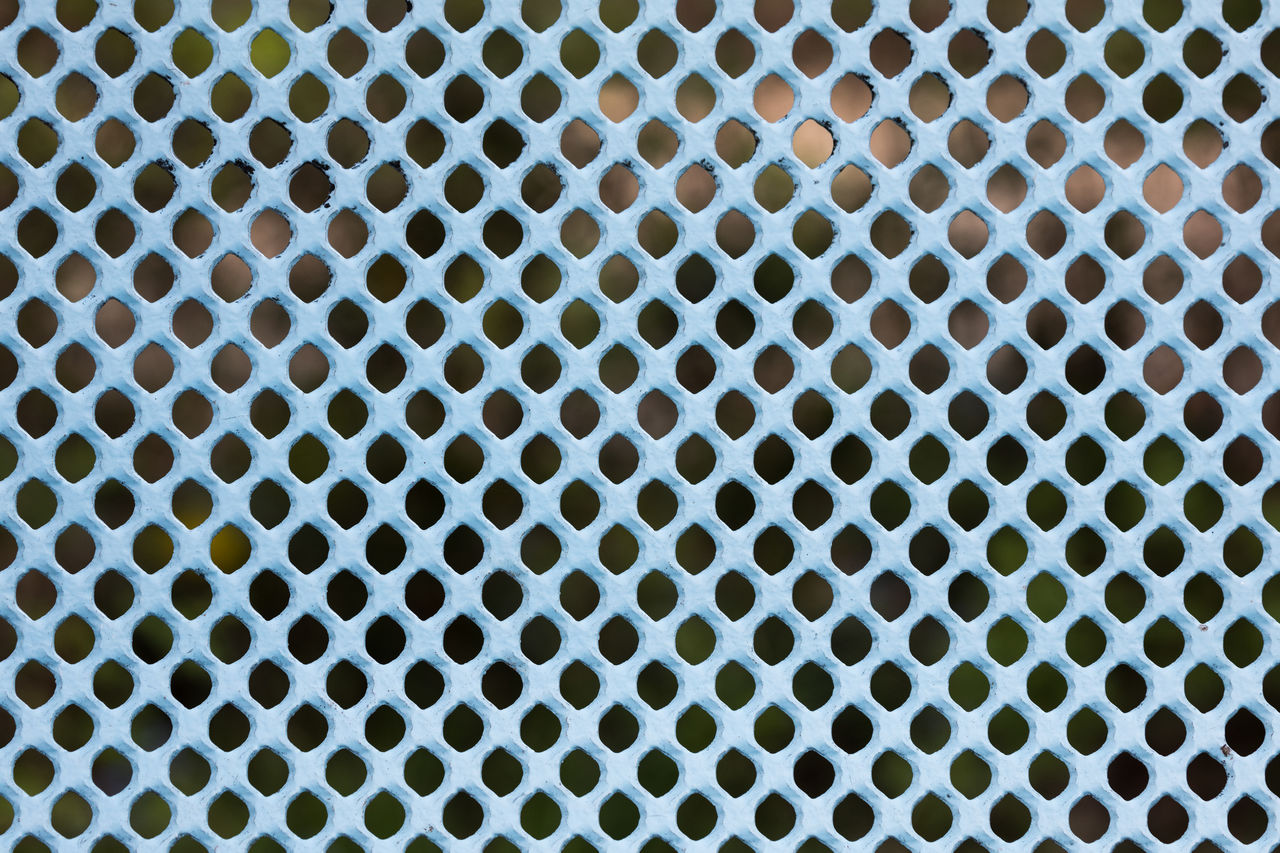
575 425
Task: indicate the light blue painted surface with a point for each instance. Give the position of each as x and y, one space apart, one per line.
78 801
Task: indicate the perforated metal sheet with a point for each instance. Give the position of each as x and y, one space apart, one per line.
575 425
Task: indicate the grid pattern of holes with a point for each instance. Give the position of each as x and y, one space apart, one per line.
677 425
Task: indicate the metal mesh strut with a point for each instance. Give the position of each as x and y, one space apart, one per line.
656 425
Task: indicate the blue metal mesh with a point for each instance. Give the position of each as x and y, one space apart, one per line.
566 425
